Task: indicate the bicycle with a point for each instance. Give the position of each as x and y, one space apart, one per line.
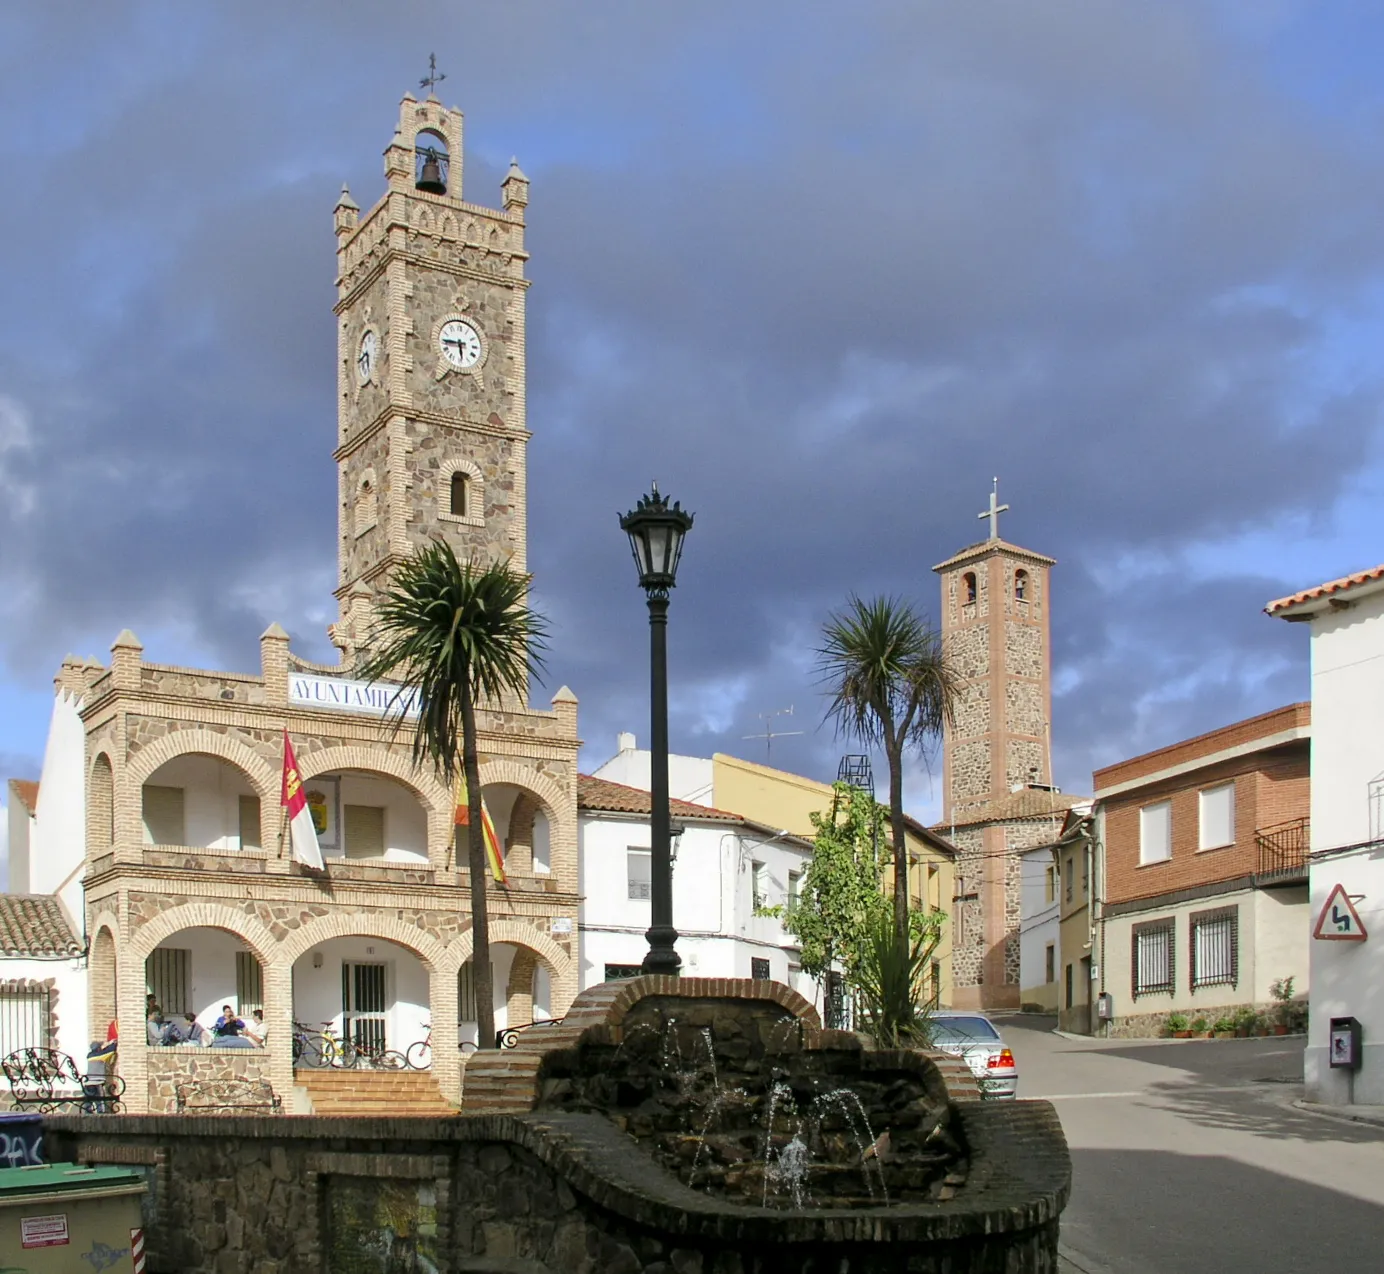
419 1053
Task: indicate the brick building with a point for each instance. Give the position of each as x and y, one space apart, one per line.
161 785
1203 871
998 798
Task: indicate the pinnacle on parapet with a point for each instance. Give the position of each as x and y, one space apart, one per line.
274 632
346 201
127 641
564 695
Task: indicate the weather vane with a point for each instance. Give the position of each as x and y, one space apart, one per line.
432 79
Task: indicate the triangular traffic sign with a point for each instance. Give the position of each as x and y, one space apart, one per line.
1339 920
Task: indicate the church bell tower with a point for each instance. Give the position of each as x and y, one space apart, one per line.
432 433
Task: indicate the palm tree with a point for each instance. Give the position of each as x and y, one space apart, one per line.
892 686
457 634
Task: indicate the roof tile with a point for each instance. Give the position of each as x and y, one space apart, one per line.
25 791
616 798
1325 590
36 925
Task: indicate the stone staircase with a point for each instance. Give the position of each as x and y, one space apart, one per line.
379 1094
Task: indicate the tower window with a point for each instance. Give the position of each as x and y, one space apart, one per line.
461 492
1020 586
365 512
431 159
968 585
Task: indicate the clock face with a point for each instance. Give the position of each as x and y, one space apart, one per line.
365 359
460 344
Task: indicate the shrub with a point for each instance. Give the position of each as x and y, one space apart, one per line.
1177 1021
1199 1024
1245 1018
1282 989
1224 1023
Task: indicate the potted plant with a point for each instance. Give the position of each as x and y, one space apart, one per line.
1178 1027
1282 992
1199 1027
1245 1019
1224 1028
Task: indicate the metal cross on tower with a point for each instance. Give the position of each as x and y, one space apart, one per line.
432 79
994 511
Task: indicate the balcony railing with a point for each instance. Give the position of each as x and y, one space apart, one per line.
1283 851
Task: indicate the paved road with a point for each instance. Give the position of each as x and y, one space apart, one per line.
1188 1156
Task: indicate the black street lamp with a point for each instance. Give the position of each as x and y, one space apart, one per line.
656 532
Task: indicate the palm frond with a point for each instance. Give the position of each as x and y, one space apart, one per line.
449 630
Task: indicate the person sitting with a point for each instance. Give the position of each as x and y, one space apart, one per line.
194 1032
230 1030
173 1033
256 1031
153 1024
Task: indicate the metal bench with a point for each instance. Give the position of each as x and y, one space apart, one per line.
509 1036
50 1082
227 1097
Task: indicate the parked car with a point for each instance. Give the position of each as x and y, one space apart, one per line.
974 1038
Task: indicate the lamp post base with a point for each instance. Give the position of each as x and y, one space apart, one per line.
662 958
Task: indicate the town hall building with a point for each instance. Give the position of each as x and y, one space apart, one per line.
158 819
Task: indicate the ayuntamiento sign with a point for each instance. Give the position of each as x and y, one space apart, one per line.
342 695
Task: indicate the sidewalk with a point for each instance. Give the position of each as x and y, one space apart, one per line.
1356 1114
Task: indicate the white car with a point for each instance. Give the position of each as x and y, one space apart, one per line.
974 1038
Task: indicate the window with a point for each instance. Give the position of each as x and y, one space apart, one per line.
249 822
968 588
1050 885
168 978
757 883
795 880
639 869
1156 832
1069 986
364 827
1085 875
249 984
466 993
1050 963
461 492
1215 947
1152 957
934 887
936 972
458 497
619 972
1217 816
24 1018
365 514
1071 877
163 815
759 969
1020 586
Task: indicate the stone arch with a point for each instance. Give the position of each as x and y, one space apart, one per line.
449 226
428 949
205 915
429 791
475 491
103 974
517 934
101 803
263 777
539 786
423 220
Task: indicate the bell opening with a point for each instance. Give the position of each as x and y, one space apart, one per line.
430 163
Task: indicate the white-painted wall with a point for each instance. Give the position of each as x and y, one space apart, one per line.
57 847
14 845
1347 754
405 821
317 992
1038 919
70 985
211 800
689 777
713 911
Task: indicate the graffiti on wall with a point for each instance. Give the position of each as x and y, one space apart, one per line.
381 1227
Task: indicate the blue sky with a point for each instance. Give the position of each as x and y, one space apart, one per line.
822 277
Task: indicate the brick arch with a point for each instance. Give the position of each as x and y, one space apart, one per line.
517 934
105 920
205 915
429 791
539 786
261 774
433 953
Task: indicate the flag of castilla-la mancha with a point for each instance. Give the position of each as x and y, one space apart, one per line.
493 856
300 825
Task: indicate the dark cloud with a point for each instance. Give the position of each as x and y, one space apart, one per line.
821 279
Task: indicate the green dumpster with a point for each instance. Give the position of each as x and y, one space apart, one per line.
61 1218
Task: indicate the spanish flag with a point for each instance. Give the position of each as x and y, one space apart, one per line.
300 825
493 855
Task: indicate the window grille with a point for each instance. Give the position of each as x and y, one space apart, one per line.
1215 948
759 969
24 1019
466 993
168 978
249 984
619 972
1153 958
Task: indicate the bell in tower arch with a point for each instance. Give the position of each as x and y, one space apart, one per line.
431 173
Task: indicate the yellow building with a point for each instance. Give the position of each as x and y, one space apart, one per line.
782 800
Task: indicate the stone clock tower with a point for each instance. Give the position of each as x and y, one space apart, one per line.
431 366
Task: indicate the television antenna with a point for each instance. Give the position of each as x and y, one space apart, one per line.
770 734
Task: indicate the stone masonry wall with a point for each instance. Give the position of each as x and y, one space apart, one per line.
192 1064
